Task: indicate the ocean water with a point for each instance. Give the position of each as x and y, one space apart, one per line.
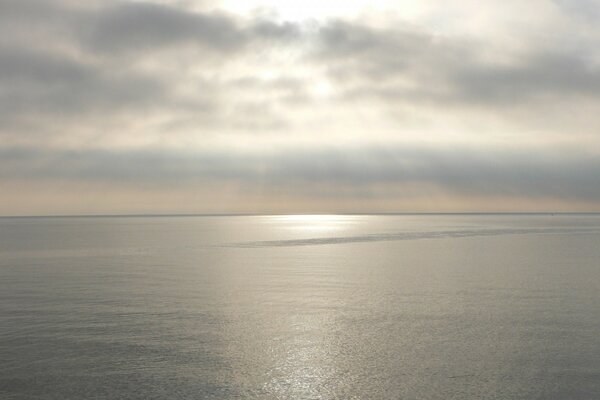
300 307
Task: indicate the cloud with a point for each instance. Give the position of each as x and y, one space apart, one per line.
408 65
588 10
135 27
36 81
105 91
79 64
118 57
352 172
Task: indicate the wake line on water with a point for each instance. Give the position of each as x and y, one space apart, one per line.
385 237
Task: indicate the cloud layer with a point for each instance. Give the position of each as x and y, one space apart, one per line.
188 100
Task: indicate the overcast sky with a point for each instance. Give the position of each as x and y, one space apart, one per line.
199 106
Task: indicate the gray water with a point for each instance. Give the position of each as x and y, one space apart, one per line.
276 307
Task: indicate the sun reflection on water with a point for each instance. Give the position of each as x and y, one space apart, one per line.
316 222
305 368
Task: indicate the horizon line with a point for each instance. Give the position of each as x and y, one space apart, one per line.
306 213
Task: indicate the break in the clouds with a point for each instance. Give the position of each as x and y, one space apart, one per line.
203 106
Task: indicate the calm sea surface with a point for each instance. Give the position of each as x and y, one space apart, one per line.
300 307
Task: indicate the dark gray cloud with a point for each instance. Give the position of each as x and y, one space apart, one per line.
396 64
135 27
364 51
120 26
537 76
38 82
466 172
72 61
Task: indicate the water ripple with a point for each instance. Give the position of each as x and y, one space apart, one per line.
383 237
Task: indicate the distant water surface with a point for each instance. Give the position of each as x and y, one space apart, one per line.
300 307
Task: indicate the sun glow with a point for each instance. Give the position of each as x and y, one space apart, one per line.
290 10
315 223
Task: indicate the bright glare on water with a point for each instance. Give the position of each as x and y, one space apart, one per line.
300 307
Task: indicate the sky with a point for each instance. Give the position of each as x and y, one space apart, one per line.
249 106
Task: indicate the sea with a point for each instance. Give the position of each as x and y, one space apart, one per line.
414 306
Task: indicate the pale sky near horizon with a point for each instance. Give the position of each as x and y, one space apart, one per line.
323 106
